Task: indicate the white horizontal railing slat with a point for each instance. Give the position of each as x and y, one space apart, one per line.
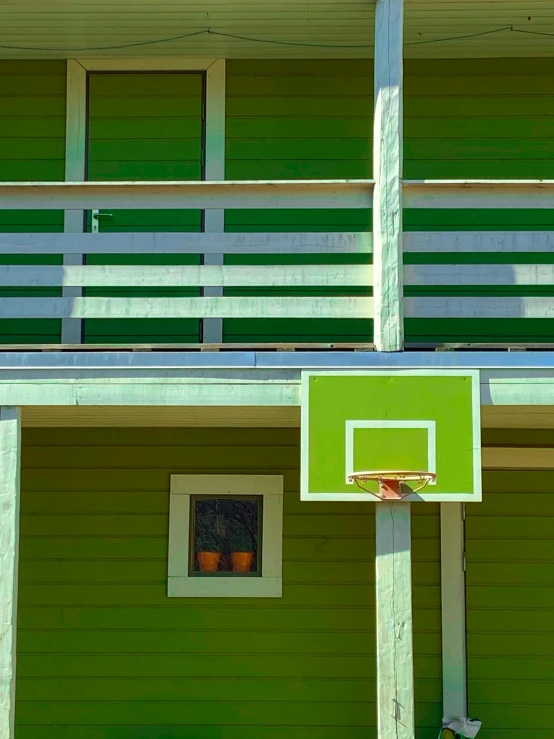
186 243
294 275
467 242
225 307
479 307
203 195
479 274
479 194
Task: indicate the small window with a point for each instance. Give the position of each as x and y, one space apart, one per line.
225 533
225 536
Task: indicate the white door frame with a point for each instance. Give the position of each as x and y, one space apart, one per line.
76 144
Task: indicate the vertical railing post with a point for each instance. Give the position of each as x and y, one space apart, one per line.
75 148
214 220
454 670
395 661
387 173
10 456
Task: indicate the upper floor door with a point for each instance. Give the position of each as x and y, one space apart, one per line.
144 126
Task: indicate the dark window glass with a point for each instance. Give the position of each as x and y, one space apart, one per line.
226 536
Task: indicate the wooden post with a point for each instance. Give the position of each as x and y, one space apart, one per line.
75 157
393 578
454 677
387 173
10 453
214 220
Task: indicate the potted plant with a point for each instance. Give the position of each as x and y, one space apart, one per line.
242 549
208 550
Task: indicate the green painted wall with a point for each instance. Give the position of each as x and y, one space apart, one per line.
145 127
298 119
293 119
510 573
482 118
102 651
32 147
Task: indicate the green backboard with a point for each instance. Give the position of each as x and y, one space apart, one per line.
426 420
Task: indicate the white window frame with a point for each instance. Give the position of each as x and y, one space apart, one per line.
180 583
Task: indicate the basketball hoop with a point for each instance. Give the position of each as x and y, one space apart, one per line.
393 485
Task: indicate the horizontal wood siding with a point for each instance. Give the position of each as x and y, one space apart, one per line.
490 119
102 651
32 147
510 574
145 127
299 119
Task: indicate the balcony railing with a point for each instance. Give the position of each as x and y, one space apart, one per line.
448 273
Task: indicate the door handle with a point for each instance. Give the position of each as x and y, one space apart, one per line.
96 216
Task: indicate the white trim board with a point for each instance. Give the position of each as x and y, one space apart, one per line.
75 170
180 583
214 220
148 64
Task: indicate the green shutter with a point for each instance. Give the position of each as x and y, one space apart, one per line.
145 126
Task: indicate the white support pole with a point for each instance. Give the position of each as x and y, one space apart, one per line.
393 578
75 157
10 454
454 670
214 220
387 173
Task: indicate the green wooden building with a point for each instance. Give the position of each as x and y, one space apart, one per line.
198 203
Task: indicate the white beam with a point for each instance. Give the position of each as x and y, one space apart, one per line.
393 577
10 456
187 243
316 194
387 173
103 384
214 220
488 194
454 656
75 164
226 307
163 392
477 307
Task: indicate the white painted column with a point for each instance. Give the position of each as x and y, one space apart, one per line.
454 669
75 157
387 173
10 455
214 220
393 580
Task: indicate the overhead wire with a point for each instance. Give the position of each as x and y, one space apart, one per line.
251 39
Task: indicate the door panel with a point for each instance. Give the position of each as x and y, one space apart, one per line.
145 126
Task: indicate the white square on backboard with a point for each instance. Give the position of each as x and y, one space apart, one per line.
430 426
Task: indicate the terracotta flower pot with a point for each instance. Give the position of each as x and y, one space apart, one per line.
208 561
242 561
